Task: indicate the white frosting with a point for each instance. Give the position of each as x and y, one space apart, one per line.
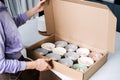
59 50
95 55
83 51
86 61
53 56
61 43
72 55
41 51
66 61
48 46
71 47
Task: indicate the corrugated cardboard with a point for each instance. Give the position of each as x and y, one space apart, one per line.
75 75
84 23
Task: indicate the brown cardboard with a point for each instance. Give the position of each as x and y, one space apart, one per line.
75 75
48 75
84 23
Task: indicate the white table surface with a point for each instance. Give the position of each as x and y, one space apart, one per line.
109 71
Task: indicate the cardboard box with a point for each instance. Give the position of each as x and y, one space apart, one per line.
87 24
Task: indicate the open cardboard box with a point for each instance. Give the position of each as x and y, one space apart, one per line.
87 24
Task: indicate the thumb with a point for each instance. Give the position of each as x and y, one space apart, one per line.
42 1
47 60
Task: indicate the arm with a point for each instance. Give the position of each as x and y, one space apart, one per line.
7 65
36 9
13 66
22 18
39 64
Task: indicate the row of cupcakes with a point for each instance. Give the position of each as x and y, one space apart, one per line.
62 47
71 53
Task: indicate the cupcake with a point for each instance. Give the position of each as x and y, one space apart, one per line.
95 55
83 51
48 46
61 43
41 51
79 67
66 61
87 61
72 55
71 47
59 50
53 56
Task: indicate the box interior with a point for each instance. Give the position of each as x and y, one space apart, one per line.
81 22
64 69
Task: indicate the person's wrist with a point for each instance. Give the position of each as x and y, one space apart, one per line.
31 65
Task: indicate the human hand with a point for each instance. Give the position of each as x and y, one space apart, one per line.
39 7
42 64
39 64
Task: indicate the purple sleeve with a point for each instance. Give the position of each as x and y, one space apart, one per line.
7 65
11 66
20 19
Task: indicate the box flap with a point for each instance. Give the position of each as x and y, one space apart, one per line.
81 22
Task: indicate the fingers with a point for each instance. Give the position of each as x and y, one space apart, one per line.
42 1
48 67
43 65
48 60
